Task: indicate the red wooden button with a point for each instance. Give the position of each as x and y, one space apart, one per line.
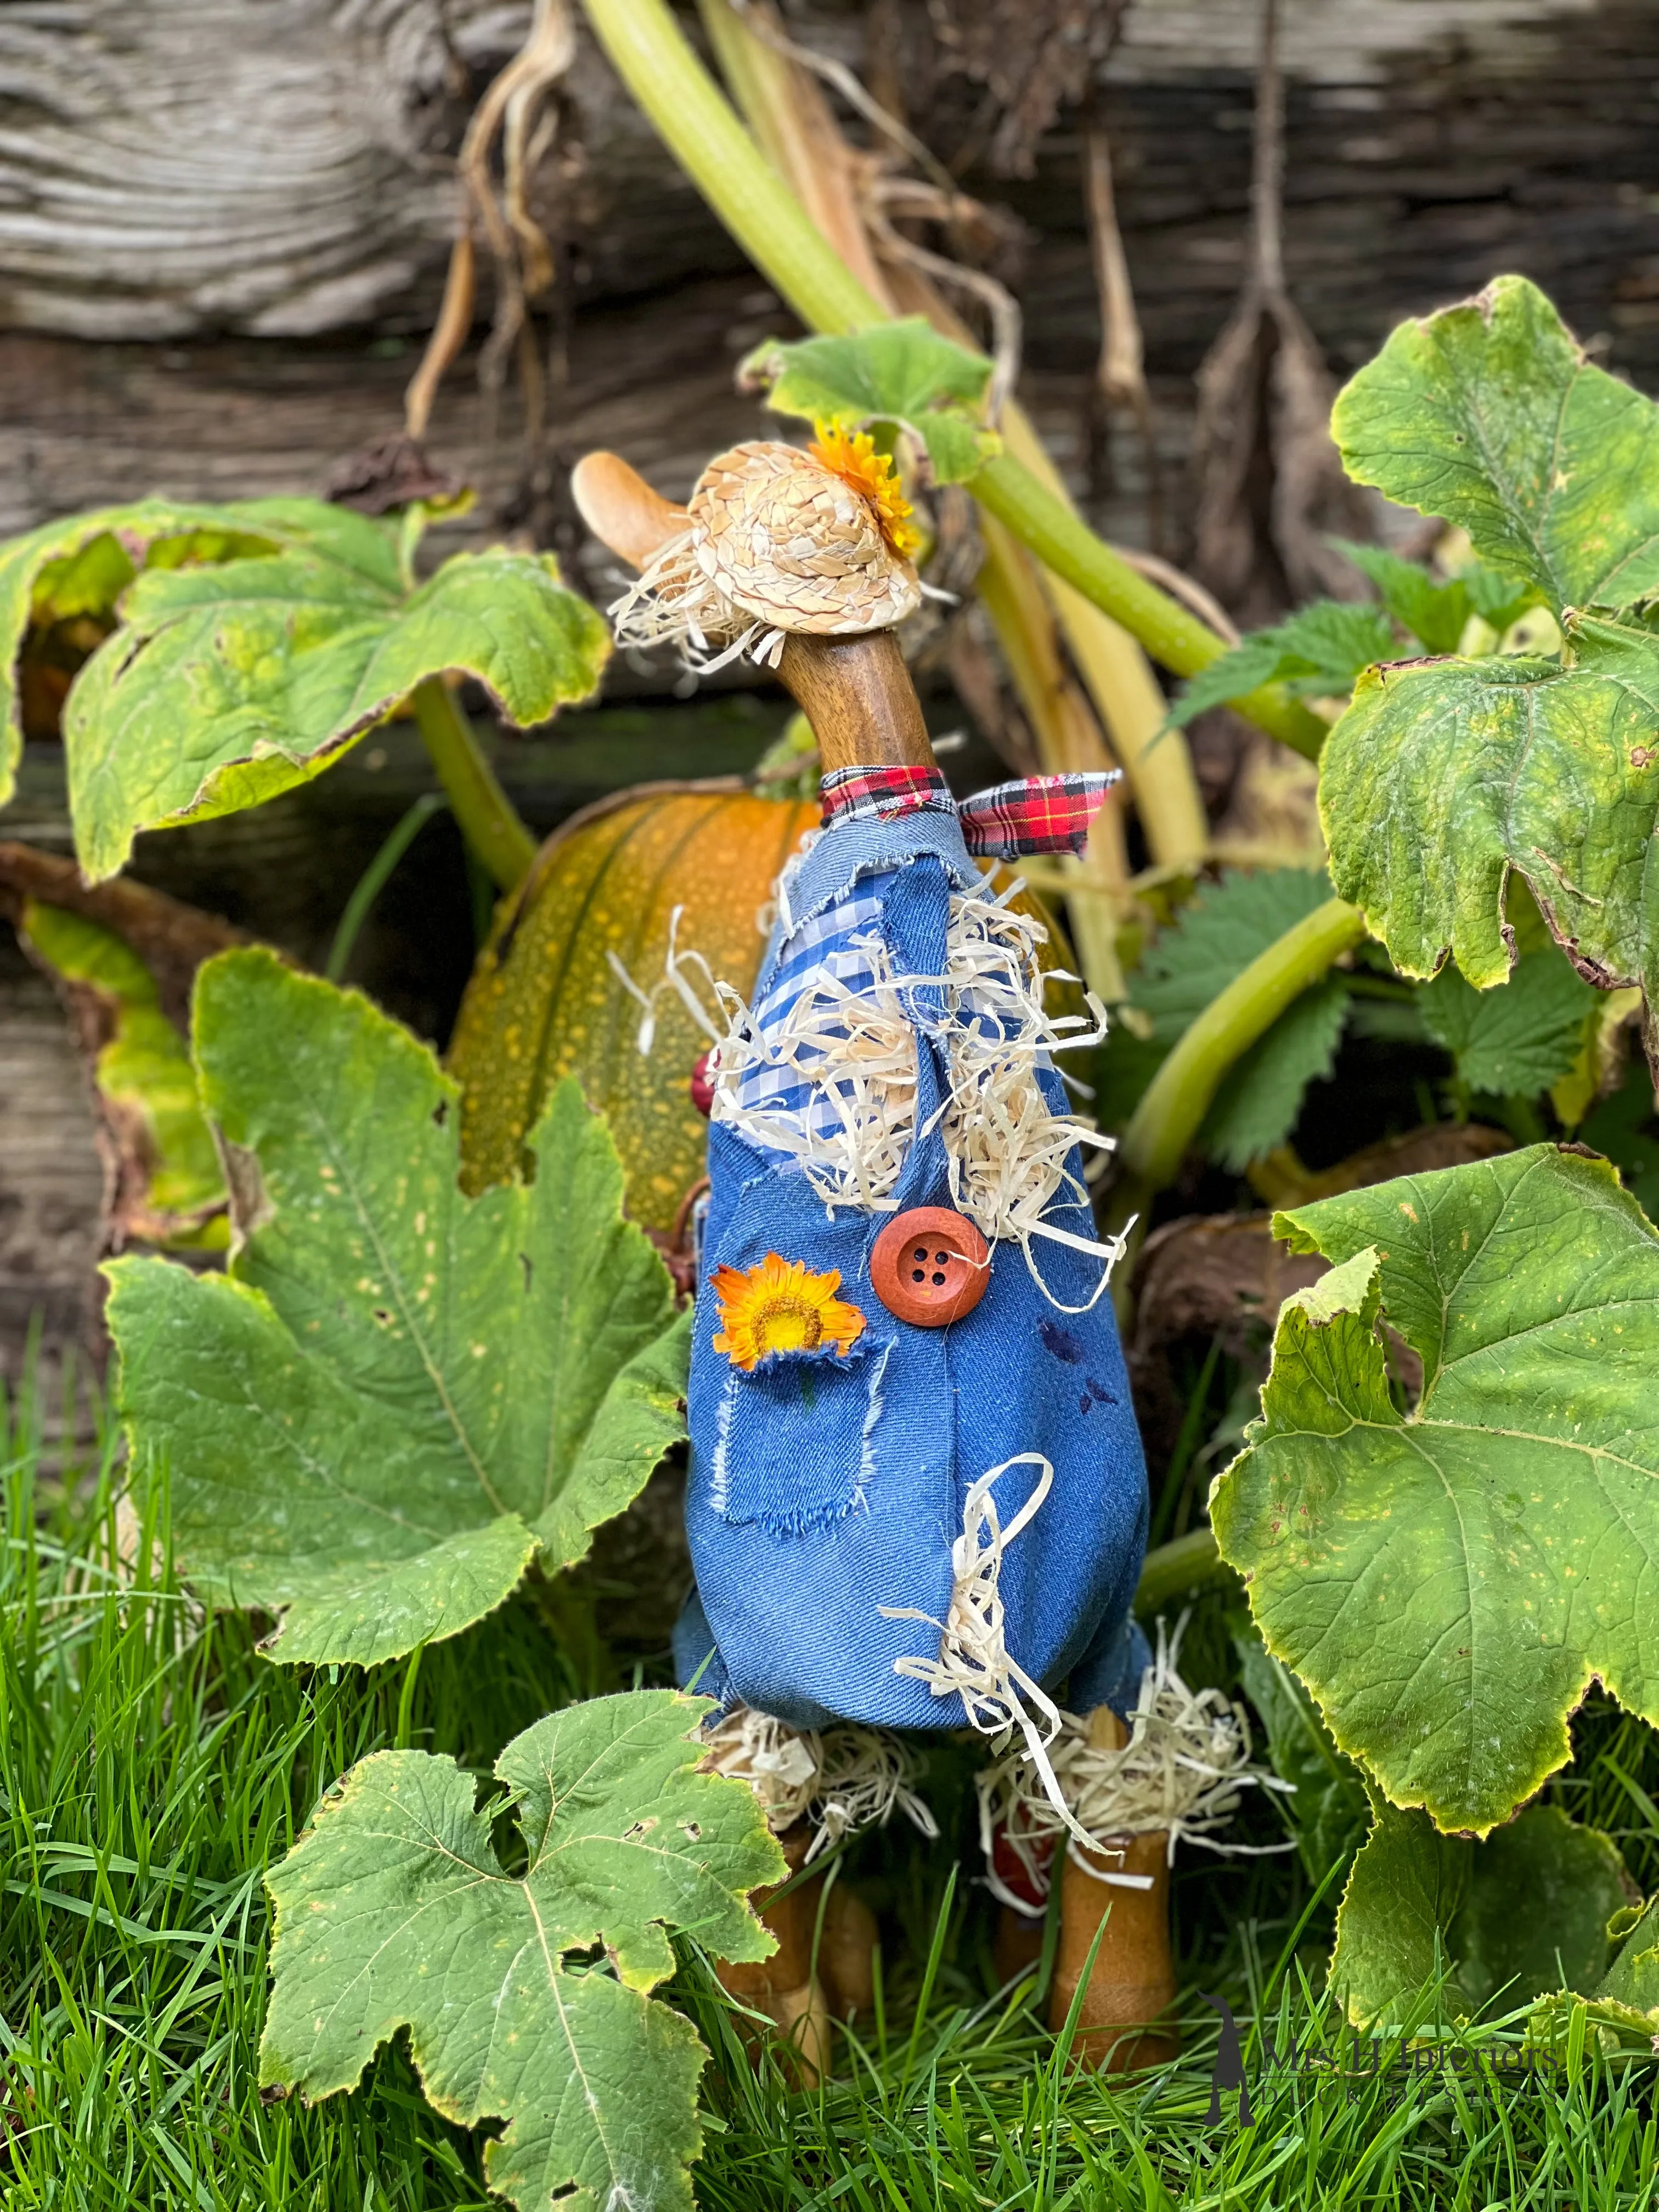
930 1265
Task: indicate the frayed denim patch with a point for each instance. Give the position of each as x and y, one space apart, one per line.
794 1438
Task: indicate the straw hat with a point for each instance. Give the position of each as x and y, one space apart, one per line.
779 541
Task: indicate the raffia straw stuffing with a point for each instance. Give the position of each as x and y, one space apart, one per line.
865 1774
674 601
840 1779
855 1050
974 1662
1006 1149
1181 1772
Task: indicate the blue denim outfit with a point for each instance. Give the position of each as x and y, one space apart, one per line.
825 1487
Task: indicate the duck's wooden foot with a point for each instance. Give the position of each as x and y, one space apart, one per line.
804 2003
1127 2014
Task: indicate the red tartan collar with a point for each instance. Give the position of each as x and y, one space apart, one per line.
1037 814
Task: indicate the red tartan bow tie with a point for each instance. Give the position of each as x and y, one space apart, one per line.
1037 814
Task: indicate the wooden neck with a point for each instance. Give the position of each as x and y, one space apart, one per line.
857 693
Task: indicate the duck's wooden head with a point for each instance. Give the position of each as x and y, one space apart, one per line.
855 691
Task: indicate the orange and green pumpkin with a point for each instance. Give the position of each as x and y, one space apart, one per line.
545 1000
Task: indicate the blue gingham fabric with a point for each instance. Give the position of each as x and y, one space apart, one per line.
838 943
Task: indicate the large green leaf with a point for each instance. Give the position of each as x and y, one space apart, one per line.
1447 1583
1523 1913
254 642
1442 777
398 1395
1488 415
393 1911
1520 1039
167 1184
902 373
226 686
82 565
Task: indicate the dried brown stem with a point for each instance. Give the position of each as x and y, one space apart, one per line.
520 249
904 196
1121 373
171 938
1267 171
798 132
1180 586
448 332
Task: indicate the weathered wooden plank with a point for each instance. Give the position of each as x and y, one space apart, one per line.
201 167
51 1180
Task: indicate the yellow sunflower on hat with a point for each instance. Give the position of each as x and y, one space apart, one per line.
852 458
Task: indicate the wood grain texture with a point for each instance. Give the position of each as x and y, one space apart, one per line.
857 693
1132 1985
197 167
622 510
51 1182
235 165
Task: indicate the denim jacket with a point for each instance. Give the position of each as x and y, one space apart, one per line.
825 1487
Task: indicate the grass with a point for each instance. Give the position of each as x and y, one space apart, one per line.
152 1764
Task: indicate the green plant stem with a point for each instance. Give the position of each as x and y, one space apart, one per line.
1167 1120
701 128
375 878
1063 541
488 820
796 133
1174 1571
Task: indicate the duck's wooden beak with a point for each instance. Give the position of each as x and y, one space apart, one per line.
622 510
855 691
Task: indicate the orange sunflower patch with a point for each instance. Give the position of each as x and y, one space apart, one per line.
782 1306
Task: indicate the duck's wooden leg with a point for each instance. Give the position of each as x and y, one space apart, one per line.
1017 1944
784 1987
847 1953
1132 1985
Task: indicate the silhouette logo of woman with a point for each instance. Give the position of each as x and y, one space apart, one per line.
1229 2070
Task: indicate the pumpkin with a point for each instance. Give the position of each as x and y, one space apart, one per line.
544 1001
